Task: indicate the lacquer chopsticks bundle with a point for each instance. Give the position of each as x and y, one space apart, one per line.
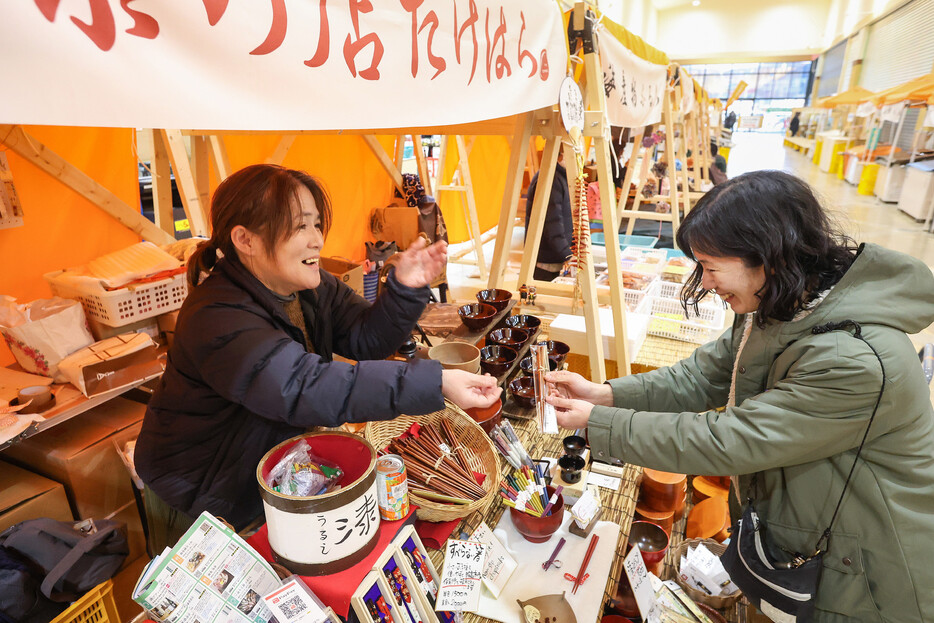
438 465
525 491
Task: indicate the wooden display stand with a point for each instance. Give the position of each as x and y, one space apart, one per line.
462 183
644 154
547 124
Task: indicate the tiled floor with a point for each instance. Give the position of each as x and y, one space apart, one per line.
866 219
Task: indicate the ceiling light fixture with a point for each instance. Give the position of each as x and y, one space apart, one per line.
696 3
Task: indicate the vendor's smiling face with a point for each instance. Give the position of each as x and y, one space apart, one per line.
737 284
293 264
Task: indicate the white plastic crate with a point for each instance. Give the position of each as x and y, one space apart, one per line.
666 289
689 327
671 290
632 297
116 308
645 255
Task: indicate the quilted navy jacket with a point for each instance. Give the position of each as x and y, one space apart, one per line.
239 381
555 247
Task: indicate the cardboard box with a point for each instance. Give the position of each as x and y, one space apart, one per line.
80 454
348 272
400 225
25 495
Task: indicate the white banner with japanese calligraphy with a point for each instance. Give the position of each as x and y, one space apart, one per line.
929 118
273 65
634 87
893 112
688 97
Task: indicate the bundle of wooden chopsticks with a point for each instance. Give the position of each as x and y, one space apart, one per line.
438 464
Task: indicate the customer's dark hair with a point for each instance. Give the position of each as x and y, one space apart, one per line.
774 220
261 198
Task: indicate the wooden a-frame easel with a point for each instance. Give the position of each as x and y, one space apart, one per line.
547 124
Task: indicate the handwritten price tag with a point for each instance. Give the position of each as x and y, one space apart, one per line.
641 586
499 563
460 581
571 103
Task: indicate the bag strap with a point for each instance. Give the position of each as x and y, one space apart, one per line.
824 539
81 548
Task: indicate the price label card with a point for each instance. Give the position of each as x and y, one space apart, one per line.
641 585
602 480
460 581
499 563
571 103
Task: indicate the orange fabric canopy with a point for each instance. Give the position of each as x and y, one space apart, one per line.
917 89
856 95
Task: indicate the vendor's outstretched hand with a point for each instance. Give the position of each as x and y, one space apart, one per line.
468 390
571 413
421 264
572 385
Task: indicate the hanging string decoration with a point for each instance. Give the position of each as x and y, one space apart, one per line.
579 261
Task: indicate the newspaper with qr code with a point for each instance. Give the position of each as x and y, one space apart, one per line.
210 576
294 602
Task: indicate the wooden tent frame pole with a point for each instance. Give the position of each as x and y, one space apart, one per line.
674 216
185 181
33 150
596 126
422 164
507 214
669 120
201 167
469 202
385 161
163 210
219 157
282 149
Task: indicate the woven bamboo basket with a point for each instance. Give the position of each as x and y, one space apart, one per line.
484 458
715 601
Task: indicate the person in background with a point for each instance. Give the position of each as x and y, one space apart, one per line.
783 399
253 361
795 123
555 246
594 205
730 120
718 166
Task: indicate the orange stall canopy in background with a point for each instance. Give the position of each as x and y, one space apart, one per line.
60 227
63 229
358 184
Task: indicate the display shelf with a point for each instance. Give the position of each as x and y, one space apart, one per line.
69 402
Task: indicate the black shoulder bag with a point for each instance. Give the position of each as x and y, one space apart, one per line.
777 587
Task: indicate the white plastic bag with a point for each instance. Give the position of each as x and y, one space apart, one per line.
42 333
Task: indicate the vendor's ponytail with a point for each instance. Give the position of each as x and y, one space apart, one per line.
202 261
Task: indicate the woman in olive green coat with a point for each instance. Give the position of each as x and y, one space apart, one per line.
797 402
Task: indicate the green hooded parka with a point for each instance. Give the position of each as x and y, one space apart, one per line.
803 402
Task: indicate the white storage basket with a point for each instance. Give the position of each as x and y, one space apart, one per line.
689 327
116 308
632 297
647 255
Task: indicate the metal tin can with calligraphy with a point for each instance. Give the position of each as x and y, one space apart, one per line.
392 487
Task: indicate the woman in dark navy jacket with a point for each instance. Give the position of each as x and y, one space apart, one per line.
252 361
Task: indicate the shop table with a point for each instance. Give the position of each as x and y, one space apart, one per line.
618 506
